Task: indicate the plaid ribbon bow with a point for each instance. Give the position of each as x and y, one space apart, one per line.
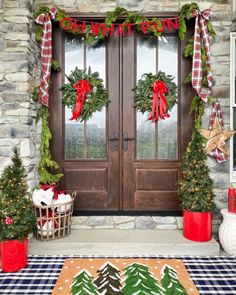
201 36
217 153
46 53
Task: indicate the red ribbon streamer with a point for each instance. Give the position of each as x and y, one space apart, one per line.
45 19
82 87
159 103
201 37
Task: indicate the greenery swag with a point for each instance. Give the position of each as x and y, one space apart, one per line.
144 91
96 99
46 164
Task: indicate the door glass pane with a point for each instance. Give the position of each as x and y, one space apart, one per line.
85 140
168 129
145 138
74 54
146 56
157 140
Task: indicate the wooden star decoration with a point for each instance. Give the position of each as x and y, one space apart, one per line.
217 137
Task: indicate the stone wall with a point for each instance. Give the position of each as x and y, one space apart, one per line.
127 222
134 222
17 65
18 68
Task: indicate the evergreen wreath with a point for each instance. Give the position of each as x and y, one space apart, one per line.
144 91
96 99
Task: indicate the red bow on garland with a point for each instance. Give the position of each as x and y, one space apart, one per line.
201 37
45 19
159 103
82 87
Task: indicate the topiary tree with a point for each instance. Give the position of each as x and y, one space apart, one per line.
16 213
196 186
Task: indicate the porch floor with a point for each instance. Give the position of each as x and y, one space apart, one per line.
123 243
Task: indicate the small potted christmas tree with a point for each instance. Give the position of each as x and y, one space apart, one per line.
196 190
16 216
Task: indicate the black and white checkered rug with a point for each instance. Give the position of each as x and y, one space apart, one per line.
211 275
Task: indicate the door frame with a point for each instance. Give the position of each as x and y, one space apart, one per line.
185 67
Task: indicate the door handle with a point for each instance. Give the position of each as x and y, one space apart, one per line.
115 141
126 142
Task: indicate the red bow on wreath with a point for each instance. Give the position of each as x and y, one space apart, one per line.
159 103
82 87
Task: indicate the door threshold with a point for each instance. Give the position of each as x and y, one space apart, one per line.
128 213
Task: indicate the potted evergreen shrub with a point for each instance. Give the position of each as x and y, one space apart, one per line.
16 216
196 190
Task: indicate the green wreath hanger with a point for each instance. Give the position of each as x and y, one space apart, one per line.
84 94
156 94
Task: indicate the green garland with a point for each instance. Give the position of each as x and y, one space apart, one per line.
46 164
197 106
111 18
95 100
144 91
44 9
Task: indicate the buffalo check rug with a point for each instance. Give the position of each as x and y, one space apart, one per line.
210 275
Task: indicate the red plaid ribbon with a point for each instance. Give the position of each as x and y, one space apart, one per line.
46 53
216 112
201 36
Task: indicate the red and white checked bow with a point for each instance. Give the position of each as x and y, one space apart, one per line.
44 19
201 36
216 112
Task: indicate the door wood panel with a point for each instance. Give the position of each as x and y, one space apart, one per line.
120 182
163 200
87 179
156 179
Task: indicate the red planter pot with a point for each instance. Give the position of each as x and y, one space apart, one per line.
14 255
197 226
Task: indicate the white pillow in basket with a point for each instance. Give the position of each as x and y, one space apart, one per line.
62 199
47 229
43 197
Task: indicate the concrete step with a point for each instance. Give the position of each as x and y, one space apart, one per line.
123 242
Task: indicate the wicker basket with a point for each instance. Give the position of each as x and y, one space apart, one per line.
53 222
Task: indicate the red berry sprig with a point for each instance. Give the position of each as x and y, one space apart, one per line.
8 221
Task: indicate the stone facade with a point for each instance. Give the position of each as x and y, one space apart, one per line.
127 222
19 67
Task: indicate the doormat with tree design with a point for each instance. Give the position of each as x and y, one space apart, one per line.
127 276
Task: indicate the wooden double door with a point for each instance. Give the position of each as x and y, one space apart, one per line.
119 161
